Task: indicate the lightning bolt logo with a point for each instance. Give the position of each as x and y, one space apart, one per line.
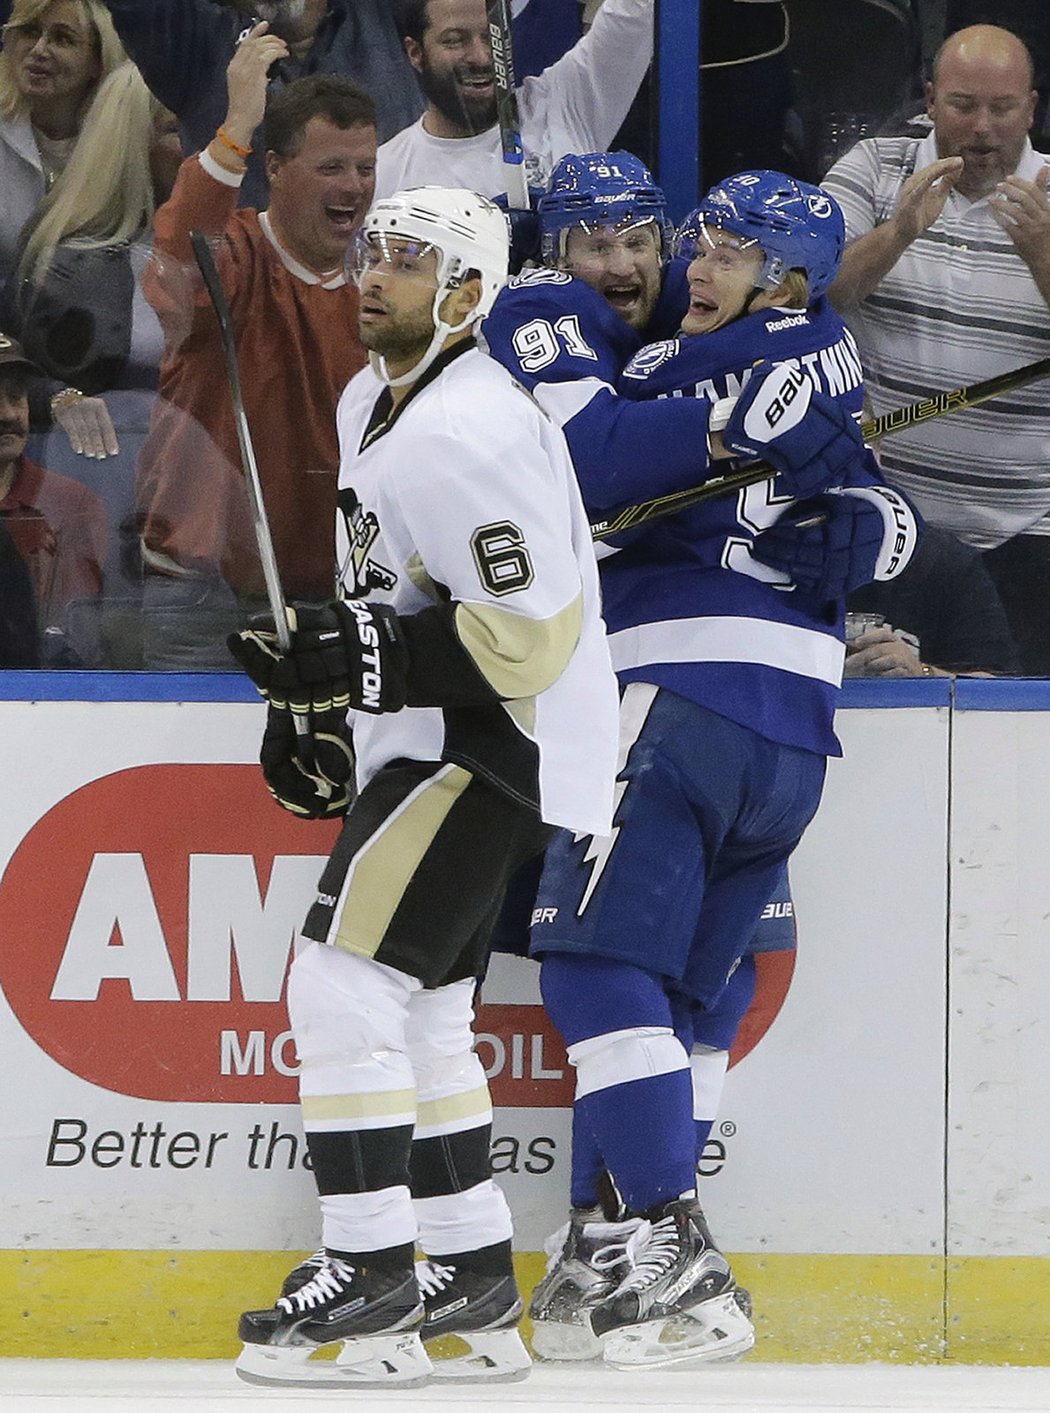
599 849
635 705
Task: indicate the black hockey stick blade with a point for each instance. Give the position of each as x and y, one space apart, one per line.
497 14
896 421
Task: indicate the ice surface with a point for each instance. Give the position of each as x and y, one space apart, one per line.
188 1386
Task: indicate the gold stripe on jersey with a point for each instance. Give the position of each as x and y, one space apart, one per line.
519 656
437 1113
523 714
419 575
400 1103
383 868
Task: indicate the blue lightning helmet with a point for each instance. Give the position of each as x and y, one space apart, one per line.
598 189
797 226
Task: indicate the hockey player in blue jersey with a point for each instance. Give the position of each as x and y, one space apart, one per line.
725 628
567 332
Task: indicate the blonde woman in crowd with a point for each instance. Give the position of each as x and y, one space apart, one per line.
76 300
55 54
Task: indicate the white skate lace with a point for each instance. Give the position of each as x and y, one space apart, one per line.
331 1280
655 1252
433 1278
614 1253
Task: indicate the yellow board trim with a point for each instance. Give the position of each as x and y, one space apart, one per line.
808 1309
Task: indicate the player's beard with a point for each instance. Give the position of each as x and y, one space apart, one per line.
453 103
411 334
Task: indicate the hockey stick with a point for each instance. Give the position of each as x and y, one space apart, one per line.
896 421
497 13
271 575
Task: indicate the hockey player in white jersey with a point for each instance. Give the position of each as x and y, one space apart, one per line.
729 688
468 644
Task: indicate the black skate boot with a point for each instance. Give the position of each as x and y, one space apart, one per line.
305 1271
375 1314
589 1256
679 1303
482 1310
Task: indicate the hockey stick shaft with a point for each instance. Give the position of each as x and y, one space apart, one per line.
264 540
896 421
271 575
497 14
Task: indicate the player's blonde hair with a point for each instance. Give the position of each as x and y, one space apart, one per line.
108 49
797 290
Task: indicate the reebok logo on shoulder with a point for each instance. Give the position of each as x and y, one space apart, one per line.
792 321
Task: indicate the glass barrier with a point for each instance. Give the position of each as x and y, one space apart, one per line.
128 540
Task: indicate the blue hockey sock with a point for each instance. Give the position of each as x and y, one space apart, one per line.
634 1090
587 1164
635 1095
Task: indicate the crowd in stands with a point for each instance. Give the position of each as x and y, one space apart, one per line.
126 534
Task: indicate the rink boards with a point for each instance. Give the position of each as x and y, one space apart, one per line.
881 1167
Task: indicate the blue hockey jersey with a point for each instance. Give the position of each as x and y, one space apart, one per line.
686 605
568 346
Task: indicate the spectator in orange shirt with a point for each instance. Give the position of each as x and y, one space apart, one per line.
295 321
57 526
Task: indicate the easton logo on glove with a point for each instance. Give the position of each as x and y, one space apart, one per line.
371 678
343 653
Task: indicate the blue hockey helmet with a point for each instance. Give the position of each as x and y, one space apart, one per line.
593 189
796 225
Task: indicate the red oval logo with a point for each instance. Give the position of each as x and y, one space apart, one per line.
148 920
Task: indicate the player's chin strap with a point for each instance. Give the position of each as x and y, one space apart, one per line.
442 331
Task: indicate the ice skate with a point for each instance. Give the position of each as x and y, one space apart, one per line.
375 1315
305 1271
588 1258
476 1310
678 1305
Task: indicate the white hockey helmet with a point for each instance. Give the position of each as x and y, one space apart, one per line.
471 235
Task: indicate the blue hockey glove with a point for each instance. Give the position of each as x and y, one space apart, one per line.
809 438
326 790
828 546
343 653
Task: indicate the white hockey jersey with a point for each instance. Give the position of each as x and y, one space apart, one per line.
467 497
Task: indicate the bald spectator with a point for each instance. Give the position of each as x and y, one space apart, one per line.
946 281
575 105
184 46
294 318
1025 18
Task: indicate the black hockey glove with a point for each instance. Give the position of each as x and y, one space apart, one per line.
324 791
808 437
343 653
827 546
